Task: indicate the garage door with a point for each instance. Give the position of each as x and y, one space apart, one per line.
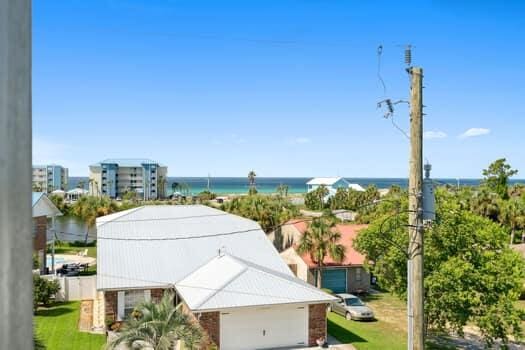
263 328
335 280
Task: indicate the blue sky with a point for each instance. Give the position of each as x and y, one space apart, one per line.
286 87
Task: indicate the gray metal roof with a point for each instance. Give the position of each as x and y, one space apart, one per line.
229 282
127 162
160 245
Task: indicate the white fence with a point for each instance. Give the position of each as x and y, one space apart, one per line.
75 288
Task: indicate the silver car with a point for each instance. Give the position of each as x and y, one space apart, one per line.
351 307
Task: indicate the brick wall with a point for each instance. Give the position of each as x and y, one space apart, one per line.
39 238
210 322
156 294
110 299
316 323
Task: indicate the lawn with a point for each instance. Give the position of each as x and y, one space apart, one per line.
57 327
92 251
387 332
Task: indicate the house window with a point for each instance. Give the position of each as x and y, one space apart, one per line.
358 274
131 299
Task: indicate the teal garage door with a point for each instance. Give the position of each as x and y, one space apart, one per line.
335 280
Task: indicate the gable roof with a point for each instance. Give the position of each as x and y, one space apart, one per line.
160 245
348 233
227 282
327 181
43 206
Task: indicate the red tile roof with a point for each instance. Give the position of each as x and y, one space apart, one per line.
348 233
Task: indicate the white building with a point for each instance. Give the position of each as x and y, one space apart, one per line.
225 272
332 184
114 177
48 178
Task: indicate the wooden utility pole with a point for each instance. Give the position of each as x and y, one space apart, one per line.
415 190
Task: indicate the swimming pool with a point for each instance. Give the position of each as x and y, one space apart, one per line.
58 261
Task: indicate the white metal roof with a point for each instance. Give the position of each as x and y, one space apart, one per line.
43 206
160 245
327 181
356 187
78 191
229 282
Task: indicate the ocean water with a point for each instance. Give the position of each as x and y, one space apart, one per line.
239 185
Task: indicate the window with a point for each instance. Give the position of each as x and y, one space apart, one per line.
358 274
131 299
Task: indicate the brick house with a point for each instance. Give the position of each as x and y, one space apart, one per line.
224 270
348 276
43 209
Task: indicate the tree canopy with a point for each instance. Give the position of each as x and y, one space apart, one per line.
471 274
496 177
268 211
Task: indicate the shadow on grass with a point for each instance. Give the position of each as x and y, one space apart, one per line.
54 310
342 334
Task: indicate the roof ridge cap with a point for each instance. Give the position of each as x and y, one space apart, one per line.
222 286
130 211
278 274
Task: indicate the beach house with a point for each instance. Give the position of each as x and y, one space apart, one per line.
224 270
43 209
332 184
347 276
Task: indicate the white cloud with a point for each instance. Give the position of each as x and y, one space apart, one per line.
434 134
300 140
473 132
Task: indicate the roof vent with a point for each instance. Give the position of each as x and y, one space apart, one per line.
222 251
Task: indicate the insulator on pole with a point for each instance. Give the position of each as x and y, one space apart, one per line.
408 55
429 198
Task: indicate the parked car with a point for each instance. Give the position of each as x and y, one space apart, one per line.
351 307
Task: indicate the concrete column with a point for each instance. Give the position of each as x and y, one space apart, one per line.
16 321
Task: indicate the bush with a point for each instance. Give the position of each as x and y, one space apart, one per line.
43 291
36 262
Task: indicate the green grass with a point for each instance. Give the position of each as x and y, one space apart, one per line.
388 331
92 251
57 327
374 335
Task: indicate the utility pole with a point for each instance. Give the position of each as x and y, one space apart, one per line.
416 316
16 243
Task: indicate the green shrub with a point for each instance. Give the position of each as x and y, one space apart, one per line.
43 290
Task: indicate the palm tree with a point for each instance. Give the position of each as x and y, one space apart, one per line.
158 326
513 215
251 182
37 187
282 190
321 239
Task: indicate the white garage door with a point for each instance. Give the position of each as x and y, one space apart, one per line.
263 328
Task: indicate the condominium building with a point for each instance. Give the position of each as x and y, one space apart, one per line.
48 178
116 177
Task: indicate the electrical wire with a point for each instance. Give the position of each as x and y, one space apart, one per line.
379 53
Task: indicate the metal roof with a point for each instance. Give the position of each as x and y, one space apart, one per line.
160 245
229 282
43 206
127 162
327 181
36 197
